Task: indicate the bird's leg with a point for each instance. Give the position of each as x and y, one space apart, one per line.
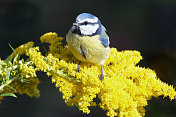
78 68
102 75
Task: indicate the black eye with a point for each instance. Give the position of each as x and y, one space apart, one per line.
85 23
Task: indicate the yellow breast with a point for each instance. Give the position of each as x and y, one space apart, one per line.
87 48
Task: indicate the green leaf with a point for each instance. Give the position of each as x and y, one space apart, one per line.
9 94
15 59
28 59
11 88
9 59
2 63
7 74
13 49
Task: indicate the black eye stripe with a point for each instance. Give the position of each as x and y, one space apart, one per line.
85 23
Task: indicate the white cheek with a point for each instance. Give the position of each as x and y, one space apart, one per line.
88 29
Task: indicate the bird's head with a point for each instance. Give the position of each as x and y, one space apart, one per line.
86 25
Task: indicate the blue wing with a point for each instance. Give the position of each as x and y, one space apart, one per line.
104 38
104 42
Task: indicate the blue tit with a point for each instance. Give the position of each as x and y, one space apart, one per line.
88 41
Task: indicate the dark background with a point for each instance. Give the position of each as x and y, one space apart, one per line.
148 26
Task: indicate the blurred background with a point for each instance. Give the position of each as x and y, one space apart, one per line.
148 26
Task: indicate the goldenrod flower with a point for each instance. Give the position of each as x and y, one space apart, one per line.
37 58
124 91
27 71
29 87
22 49
17 76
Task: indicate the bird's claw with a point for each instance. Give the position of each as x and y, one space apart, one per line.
78 70
101 77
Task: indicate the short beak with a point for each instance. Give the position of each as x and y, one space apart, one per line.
75 27
75 24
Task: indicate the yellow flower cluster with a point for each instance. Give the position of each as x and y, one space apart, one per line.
124 91
29 88
17 76
37 59
22 49
27 71
29 84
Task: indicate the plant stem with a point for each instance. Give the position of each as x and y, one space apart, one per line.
7 83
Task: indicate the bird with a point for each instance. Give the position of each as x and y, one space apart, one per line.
88 41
